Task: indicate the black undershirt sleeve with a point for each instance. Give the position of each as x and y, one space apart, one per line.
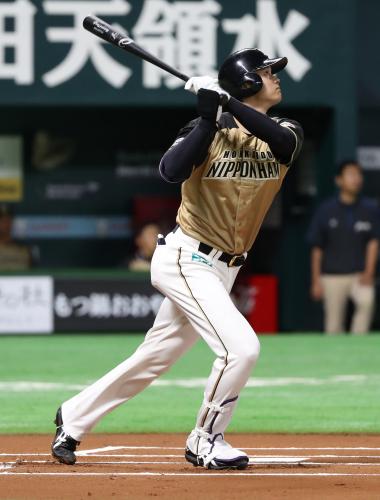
191 147
188 151
281 141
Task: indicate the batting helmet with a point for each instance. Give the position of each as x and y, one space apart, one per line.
238 74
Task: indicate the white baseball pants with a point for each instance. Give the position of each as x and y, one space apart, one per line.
197 304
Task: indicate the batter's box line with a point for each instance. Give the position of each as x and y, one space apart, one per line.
115 448
258 448
210 474
254 462
252 457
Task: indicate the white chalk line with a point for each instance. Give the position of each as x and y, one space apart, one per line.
26 454
267 460
122 462
257 448
209 474
105 448
285 461
6 466
191 383
253 460
318 449
138 455
350 464
132 455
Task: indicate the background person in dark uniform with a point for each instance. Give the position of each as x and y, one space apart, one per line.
344 235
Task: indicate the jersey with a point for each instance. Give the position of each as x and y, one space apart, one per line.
225 199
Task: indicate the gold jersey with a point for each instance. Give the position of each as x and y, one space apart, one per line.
225 199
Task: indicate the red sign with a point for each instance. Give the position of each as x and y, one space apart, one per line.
256 297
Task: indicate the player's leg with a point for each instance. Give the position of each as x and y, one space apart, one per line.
228 376
202 292
336 292
363 297
170 336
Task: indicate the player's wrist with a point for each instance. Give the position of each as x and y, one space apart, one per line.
208 105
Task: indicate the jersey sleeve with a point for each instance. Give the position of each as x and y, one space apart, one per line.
188 151
295 128
184 131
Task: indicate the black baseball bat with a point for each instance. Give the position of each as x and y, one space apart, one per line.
103 30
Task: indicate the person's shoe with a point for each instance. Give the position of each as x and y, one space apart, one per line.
212 452
63 446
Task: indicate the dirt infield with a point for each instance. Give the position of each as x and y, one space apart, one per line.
136 466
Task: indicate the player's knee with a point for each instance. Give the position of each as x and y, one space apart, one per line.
252 351
247 355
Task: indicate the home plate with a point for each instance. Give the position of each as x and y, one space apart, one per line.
277 460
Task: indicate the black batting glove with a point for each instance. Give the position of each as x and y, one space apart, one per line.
208 104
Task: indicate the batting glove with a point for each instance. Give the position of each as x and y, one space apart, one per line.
209 105
196 83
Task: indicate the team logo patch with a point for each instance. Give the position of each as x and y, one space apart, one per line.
198 258
333 223
362 225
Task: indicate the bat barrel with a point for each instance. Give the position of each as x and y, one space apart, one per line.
103 30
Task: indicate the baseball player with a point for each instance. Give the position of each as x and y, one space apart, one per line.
231 166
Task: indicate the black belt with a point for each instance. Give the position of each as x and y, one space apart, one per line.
230 260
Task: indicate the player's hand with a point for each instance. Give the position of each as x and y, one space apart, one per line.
196 83
209 105
366 279
316 290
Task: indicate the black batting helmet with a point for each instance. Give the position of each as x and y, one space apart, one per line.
238 74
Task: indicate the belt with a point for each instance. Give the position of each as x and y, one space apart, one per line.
230 260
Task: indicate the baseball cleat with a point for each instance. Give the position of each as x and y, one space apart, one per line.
63 446
213 452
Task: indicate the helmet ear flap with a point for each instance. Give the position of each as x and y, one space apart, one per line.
252 83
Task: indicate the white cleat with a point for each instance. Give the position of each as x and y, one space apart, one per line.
212 452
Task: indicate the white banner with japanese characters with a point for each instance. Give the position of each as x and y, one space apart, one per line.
43 44
26 304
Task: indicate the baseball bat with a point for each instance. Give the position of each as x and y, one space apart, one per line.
103 30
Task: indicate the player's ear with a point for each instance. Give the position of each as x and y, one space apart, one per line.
338 181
